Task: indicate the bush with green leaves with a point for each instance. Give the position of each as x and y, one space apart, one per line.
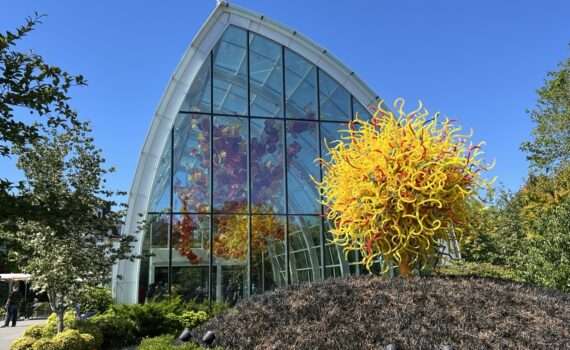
45 344
96 299
545 258
35 331
189 319
71 339
117 330
50 329
23 343
166 342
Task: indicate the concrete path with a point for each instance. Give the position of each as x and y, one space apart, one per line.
9 334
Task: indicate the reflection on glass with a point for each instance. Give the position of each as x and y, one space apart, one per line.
302 150
153 284
331 134
191 163
335 100
267 166
304 248
266 77
190 256
160 191
268 253
300 87
335 263
230 164
230 72
230 257
199 97
360 111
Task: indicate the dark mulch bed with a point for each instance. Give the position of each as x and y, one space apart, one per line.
420 313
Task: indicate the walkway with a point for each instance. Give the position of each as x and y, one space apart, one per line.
9 334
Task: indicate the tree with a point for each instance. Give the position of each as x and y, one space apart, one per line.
28 84
550 147
71 242
396 186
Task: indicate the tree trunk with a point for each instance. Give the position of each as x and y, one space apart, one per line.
60 314
405 269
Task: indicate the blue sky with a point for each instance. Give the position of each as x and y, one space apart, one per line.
479 62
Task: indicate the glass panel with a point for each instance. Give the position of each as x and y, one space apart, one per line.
335 100
199 97
267 166
160 193
230 164
190 256
330 135
191 163
300 87
268 253
302 150
156 243
230 257
230 72
360 111
304 248
266 77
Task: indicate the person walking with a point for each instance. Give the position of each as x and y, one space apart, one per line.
11 306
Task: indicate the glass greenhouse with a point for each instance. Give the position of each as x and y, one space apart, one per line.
226 178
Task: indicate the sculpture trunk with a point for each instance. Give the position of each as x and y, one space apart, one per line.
405 269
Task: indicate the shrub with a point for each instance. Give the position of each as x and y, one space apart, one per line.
96 299
71 339
88 327
189 319
35 331
50 329
165 342
23 343
45 344
116 330
461 268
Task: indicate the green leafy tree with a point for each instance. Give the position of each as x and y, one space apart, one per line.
550 146
545 258
33 94
71 243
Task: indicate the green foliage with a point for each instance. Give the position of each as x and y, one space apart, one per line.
23 343
45 344
88 327
35 331
189 319
71 339
117 331
50 328
166 342
96 299
545 258
550 146
481 269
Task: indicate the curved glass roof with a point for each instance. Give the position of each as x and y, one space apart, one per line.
234 210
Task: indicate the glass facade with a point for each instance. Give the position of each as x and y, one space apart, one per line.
234 210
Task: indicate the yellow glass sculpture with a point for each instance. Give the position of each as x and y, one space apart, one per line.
396 185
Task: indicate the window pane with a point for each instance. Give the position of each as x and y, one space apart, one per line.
160 193
304 248
191 163
268 253
154 264
331 133
190 256
302 150
335 100
230 164
267 166
360 111
300 87
230 72
199 96
266 77
230 257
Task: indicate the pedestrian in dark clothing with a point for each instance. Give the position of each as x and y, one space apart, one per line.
11 306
